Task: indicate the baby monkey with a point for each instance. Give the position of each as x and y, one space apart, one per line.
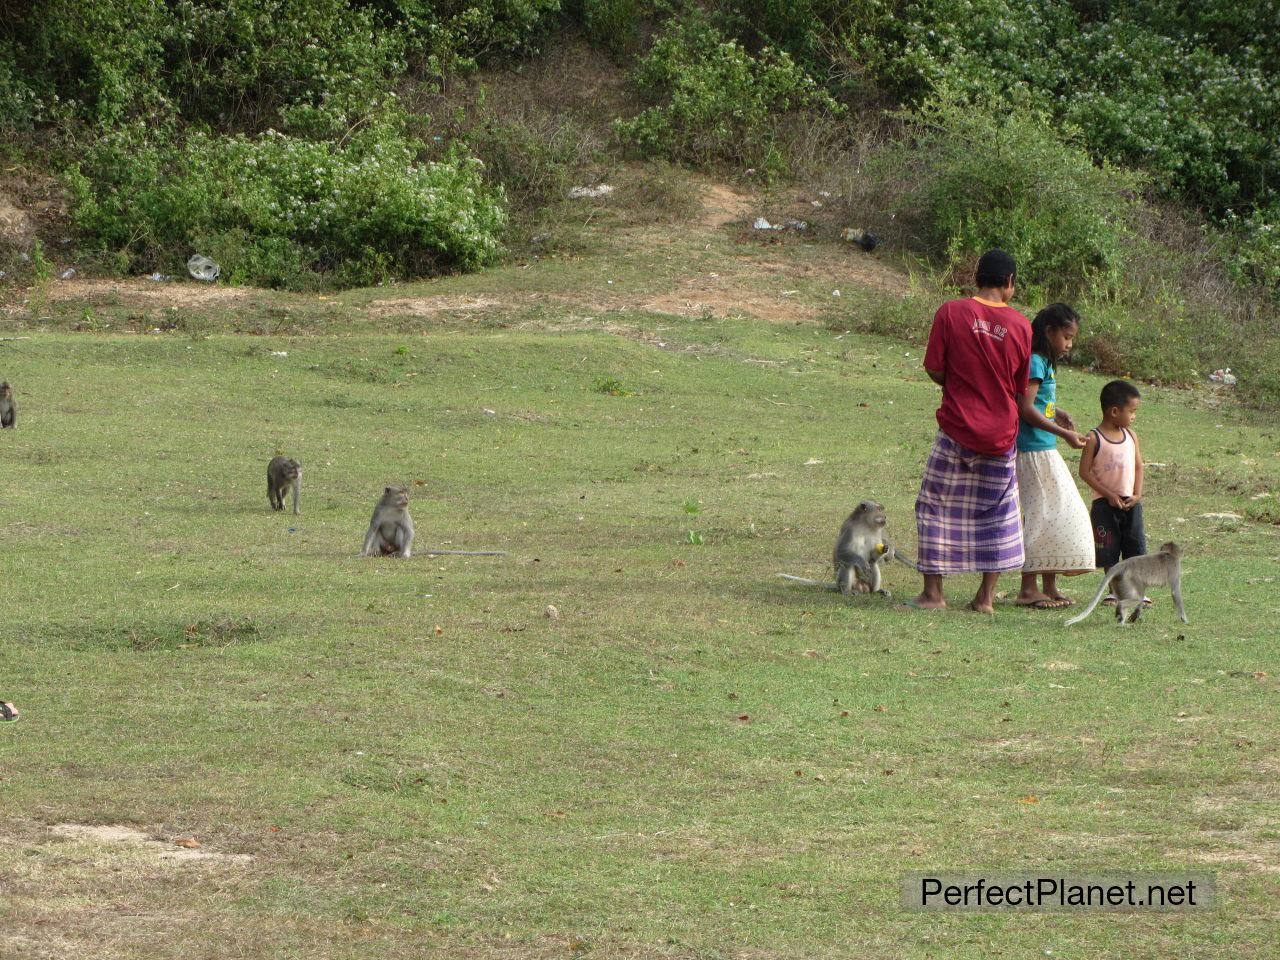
283 473
1130 579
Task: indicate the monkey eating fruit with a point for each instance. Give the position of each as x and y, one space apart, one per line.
860 549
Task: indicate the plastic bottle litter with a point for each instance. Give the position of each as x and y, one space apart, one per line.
202 268
67 274
159 277
600 190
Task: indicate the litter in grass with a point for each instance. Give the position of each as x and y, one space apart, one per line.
202 268
1224 376
600 190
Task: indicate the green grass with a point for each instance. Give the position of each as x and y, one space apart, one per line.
423 764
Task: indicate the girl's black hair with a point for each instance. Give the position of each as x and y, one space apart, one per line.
1053 317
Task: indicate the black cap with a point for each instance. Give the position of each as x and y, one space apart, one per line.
996 264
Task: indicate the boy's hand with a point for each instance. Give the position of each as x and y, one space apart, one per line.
1116 500
1076 440
1129 503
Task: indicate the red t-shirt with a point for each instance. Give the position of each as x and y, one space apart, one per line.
984 349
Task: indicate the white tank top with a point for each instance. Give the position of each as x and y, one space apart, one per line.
1116 462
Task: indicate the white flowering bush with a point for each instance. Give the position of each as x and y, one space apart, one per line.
278 207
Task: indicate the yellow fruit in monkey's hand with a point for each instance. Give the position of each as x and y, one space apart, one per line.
881 548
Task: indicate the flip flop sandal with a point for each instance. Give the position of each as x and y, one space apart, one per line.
8 711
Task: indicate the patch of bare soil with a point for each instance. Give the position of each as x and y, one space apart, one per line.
722 205
128 843
701 297
844 267
149 292
428 306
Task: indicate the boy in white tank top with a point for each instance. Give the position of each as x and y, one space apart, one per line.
1111 464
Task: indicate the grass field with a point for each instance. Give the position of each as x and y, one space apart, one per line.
409 758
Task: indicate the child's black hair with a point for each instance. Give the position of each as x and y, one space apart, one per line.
1117 393
1053 317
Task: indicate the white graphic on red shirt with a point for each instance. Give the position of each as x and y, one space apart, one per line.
986 327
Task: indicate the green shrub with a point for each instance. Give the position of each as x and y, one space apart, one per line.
612 24
713 101
1255 244
970 176
532 153
448 36
280 205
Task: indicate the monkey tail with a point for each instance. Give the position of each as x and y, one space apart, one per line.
465 553
1102 589
906 561
825 584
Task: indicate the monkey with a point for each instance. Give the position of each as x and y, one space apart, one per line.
8 409
1130 579
860 549
283 473
391 529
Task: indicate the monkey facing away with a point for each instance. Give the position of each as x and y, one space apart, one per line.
391 530
1130 579
860 549
283 473
8 409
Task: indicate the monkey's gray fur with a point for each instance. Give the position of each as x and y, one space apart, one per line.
391 529
1130 579
8 409
283 473
860 549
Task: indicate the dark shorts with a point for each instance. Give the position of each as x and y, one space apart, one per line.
1117 533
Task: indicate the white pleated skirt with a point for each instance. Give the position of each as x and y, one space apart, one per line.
1057 535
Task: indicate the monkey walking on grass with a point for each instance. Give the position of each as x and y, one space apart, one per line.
283 473
391 530
860 549
1130 579
8 409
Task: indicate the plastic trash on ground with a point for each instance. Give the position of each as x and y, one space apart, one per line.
1224 376
202 268
600 190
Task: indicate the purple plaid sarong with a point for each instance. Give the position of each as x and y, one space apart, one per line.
967 514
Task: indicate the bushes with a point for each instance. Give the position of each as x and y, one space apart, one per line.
280 207
971 176
714 101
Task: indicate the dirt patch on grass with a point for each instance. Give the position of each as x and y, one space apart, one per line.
723 204
126 843
428 306
148 292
